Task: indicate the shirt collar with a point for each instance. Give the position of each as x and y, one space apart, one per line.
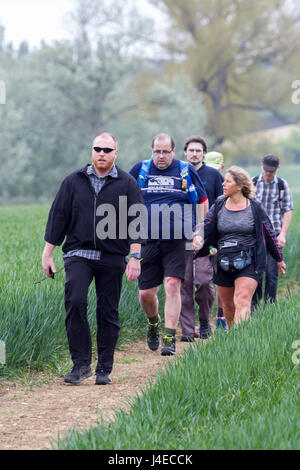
274 180
113 172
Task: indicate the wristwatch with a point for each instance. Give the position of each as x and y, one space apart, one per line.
136 255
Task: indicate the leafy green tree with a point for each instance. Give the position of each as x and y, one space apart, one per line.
60 96
240 55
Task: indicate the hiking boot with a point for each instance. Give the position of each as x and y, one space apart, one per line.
221 323
153 335
187 337
78 374
102 378
168 348
205 329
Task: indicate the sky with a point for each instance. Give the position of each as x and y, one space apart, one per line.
34 20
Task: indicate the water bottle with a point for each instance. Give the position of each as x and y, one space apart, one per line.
212 250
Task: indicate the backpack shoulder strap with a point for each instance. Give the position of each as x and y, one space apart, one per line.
184 170
144 172
187 183
280 184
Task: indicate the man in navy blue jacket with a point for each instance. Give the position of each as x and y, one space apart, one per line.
199 272
86 215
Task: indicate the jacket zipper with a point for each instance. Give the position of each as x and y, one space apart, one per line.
95 203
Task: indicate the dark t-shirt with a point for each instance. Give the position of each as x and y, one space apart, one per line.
212 181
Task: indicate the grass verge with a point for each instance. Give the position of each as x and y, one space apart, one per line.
238 391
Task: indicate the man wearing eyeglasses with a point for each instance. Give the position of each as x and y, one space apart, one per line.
199 272
75 215
164 254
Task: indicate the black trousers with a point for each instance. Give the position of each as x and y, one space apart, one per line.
108 282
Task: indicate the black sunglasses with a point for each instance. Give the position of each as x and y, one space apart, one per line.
105 149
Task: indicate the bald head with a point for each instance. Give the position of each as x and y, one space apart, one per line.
106 136
163 137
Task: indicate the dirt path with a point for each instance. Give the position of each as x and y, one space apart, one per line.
29 418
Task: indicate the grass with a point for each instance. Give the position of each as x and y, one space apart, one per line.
239 391
32 316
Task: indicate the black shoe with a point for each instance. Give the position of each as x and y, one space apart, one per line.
205 329
102 378
188 337
168 348
153 335
78 374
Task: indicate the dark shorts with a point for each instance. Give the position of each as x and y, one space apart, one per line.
227 278
161 259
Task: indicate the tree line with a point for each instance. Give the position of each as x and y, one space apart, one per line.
217 68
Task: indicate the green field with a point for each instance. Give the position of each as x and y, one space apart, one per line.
238 391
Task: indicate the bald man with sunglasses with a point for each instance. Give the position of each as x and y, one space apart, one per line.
76 216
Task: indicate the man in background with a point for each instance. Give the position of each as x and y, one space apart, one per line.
275 196
216 160
199 272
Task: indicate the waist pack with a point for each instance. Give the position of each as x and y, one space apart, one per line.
235 259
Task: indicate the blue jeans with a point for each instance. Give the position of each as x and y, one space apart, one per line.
271 280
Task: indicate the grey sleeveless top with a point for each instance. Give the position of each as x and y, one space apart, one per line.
236 228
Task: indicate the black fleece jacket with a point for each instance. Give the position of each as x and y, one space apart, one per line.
265 235
73 215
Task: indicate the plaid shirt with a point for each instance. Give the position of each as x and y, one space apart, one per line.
97 183
275 204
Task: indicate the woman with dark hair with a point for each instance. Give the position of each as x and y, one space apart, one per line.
241 230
